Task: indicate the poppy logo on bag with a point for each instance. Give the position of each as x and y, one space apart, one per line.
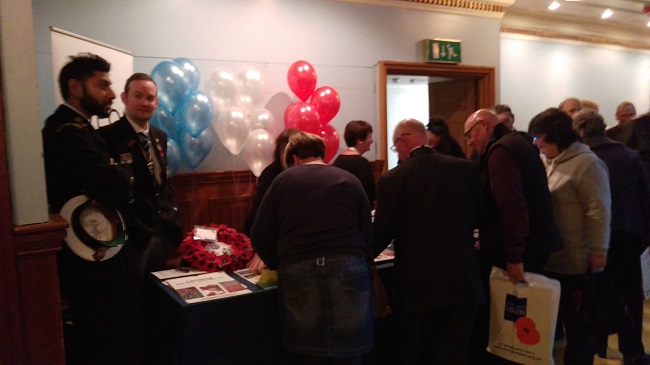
515 311
526 332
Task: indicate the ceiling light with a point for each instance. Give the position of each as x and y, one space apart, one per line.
649 24
554 5
607 13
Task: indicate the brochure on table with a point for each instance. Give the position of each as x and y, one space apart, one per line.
267 279
199 288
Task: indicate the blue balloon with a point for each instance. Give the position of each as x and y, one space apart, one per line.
165 120
173 84
173 157
191 71
194 150
196 113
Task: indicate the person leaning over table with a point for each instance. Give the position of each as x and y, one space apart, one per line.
314 226
429 206
579 185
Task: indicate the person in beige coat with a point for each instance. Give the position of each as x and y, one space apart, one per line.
579 184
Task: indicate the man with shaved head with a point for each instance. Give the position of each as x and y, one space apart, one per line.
429 206
518 231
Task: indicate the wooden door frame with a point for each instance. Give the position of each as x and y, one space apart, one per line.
485 78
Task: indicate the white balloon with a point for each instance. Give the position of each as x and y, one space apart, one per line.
220 86
258 152
250 88
232 128
263 119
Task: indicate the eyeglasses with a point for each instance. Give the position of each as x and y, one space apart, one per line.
393 147
470 130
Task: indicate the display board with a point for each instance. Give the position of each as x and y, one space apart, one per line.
66 44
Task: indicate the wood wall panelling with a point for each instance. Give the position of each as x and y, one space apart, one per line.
40 302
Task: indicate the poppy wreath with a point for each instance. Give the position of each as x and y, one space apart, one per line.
195 252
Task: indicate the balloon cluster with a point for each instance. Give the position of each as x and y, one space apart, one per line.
312 116
183 112
241 124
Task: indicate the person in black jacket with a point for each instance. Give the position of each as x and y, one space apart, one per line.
77 162
429 205
630 227
153 218
358 138
438 138
518 230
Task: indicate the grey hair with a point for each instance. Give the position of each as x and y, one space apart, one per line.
589 122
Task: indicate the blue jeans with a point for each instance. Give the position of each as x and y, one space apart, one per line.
325 306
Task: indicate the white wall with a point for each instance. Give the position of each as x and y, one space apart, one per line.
538 74
21 114
405 101
343 41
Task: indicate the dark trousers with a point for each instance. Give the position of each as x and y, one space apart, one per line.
581 341
625 268
438 336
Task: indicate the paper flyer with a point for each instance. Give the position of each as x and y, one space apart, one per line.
205 287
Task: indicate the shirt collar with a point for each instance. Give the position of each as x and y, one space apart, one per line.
137 128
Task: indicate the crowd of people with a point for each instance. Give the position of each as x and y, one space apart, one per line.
568 199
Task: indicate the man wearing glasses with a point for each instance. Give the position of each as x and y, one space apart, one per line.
517 231
429 205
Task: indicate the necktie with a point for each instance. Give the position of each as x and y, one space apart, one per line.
144 143
152 162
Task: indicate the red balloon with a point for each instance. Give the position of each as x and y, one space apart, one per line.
302 79
302 116
331 138
327 102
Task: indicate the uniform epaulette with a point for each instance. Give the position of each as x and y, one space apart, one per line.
76 122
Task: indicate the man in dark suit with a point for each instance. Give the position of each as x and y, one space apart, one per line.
152 219
152 216
429 206
77 162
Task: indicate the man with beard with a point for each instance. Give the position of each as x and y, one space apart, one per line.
77 162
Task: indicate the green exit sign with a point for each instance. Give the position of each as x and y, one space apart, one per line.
441 50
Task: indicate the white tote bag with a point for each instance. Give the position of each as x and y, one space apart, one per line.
523 317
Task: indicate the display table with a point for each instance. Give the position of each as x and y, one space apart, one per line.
242 329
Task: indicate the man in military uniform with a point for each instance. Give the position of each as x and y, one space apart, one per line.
152 216
134 139
100 294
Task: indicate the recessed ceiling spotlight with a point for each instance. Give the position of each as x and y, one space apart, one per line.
554 5
607 13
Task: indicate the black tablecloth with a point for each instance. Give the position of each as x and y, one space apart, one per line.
235 330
